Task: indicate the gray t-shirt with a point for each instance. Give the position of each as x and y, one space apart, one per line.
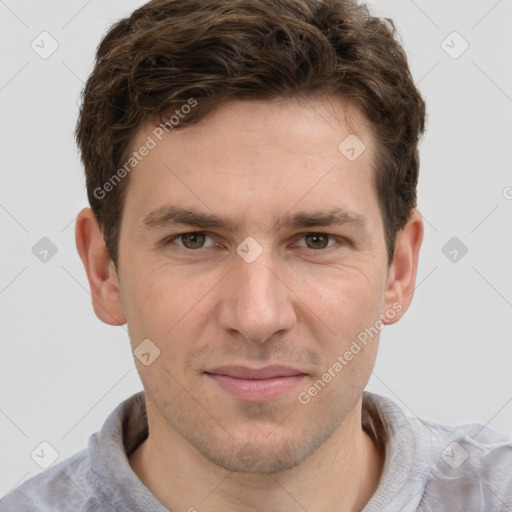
428 467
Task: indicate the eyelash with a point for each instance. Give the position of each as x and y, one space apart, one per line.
171 239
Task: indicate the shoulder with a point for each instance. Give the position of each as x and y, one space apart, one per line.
94 479
68 485
473 444
437 467
473 466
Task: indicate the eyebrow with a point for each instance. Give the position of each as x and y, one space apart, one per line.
167 216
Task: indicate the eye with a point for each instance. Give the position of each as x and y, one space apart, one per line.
193 240
317 240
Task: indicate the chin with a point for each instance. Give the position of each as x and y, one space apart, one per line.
257 458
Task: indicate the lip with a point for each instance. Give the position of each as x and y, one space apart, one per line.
256 384
267 372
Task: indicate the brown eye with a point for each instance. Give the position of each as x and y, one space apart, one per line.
192 240
316 240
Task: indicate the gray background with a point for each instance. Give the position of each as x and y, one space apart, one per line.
449 360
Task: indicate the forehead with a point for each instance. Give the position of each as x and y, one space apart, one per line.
258 155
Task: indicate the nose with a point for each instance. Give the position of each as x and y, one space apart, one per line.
257 302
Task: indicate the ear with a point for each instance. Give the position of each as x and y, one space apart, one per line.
402 272
102 276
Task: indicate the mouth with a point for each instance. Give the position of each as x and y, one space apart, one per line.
256 384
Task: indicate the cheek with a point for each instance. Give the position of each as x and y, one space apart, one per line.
168 311
349 303
345 299
162 304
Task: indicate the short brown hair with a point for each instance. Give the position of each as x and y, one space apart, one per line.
213 51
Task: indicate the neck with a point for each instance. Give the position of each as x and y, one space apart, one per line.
341 475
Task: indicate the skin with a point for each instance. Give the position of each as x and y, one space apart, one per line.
299 304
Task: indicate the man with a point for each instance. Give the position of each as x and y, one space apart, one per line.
251 168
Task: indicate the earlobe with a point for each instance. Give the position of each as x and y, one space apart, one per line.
101 274
402 273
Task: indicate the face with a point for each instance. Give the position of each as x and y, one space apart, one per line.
252 255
